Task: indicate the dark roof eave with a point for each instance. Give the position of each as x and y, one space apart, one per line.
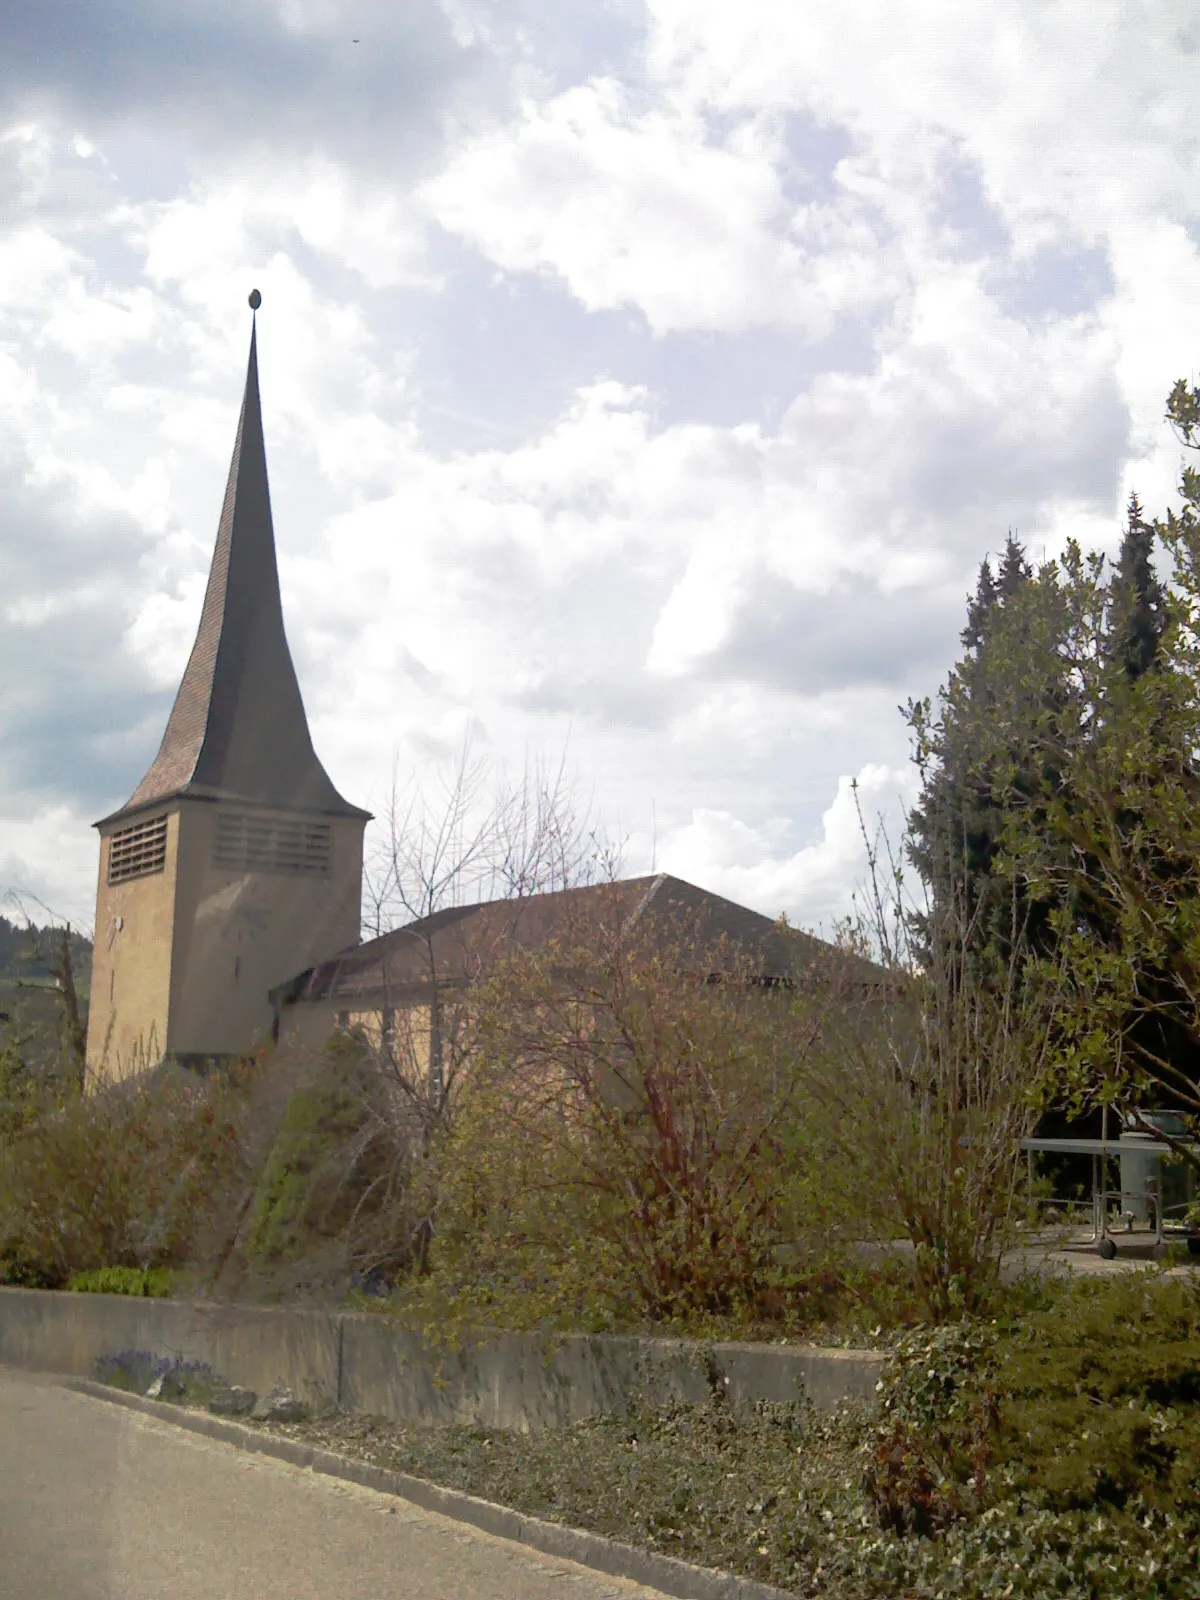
311 989
196 791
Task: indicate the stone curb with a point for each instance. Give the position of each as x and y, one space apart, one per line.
667 1574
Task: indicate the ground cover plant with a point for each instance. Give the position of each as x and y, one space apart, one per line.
153 1283
135 1371
1053 1453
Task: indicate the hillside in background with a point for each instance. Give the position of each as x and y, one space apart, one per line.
35 1017
26 948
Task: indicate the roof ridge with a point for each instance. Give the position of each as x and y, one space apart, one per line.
638 910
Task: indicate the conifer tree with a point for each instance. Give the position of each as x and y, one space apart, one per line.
1061 782
1137 613
1014 569
979 607
978 757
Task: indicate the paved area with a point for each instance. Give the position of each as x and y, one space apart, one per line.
1062 1251
101 1503
1071 1250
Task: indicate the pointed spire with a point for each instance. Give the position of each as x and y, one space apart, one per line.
237 729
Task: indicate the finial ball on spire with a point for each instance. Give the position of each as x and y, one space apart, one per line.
255 299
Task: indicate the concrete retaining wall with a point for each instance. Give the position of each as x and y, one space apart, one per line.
42 1331
360 1362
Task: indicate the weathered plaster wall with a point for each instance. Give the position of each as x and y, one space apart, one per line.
236 935
131 963
185 957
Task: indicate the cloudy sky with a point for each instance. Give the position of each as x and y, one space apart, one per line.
640 377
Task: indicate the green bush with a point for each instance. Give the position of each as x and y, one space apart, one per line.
1089 1401
124 1177
299 1189
151 1284
1100 1396
330 1199
618 1147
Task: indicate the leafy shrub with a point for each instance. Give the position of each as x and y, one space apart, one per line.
1101 1396
618 1146
931 1449
18 1091
153 1283
127 1176
330 1203
1091 1400
302 1189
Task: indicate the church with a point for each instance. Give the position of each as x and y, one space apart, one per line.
230 882
235 863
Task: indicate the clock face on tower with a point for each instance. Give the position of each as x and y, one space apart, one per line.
246 923
241 911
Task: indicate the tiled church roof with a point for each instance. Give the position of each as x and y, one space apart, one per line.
461 943
237 730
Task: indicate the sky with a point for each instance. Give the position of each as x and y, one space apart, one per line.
642 380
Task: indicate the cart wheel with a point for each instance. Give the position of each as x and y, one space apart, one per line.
1106 1249
1194 1246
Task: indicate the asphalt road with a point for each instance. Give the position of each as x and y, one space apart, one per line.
102 1503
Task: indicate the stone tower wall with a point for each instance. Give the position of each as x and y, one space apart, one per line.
238 933
131 962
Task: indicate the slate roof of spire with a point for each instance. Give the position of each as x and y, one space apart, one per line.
237 730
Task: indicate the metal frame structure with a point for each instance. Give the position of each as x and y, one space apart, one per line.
1101 1151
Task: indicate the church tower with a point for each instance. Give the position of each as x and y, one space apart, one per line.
235 863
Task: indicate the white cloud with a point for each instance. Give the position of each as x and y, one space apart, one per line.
50 858
650 208
1077 110
33 267
813 885
889 210
200 239
699 612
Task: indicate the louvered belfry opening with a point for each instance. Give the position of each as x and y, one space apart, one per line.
247 842
137 851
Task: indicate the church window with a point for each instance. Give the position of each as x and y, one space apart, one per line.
137 851
247 842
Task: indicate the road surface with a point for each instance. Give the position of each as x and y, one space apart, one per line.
101 1503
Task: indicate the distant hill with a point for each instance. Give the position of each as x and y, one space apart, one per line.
33 1017
19 961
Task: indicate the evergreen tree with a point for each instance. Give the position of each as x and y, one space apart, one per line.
1061 789
1137 615
978 758
979 608
1014 569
